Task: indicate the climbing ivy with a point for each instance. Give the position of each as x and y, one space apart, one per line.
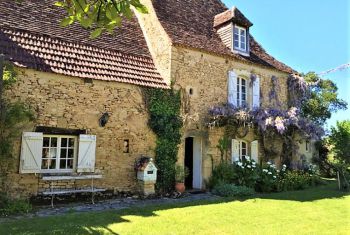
165 121
13 115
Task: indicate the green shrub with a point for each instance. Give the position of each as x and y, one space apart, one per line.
268 178
13 207
246 172
230 190
295 180
222 174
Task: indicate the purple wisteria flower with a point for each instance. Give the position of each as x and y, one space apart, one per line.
263 119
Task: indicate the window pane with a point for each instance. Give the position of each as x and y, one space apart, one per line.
63 164
44 164
70 153
63 153
64 142
242 32
243 46
53 153
46 142
45 153
244 149
236 30
53 142
71 142
70 164
52 164
236 44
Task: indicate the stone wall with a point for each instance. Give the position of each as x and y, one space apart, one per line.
203 79
157 40
74 103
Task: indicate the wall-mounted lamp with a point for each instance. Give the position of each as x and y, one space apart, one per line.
103 119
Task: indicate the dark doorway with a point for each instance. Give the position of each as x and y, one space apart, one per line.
189 162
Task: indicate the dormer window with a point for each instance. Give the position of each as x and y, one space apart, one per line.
233 29
240 38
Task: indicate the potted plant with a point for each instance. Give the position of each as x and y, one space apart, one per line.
181 173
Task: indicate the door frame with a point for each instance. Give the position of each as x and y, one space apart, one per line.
197 177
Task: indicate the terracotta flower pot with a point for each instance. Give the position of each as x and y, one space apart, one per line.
180 187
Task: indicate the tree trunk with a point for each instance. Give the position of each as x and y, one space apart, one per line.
2 102
2 58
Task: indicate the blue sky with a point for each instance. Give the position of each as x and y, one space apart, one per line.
311 35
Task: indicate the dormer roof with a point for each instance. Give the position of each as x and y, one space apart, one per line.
233 15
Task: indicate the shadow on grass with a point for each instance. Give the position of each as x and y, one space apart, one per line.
99 222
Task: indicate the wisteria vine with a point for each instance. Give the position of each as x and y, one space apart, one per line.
264 119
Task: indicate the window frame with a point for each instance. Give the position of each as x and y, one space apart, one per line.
240 93
240 29
241 149
58 152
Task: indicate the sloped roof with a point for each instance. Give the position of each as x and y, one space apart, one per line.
191 23
234 15
31 37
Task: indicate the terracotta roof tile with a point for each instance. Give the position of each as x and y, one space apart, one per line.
31 37
234 15
190 23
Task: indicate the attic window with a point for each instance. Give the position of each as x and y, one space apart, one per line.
240 38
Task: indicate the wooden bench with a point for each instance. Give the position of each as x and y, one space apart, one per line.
54 191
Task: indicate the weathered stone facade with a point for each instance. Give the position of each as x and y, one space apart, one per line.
202 76
68 102
207 76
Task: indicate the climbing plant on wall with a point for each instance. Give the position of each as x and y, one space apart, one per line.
165 121
13 115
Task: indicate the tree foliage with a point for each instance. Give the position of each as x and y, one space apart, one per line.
340 141
99 15
322 99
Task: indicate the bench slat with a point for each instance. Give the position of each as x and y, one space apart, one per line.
69 177
60 192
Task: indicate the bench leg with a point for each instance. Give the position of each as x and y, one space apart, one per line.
52 195
92 191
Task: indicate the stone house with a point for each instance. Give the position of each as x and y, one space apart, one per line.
87 94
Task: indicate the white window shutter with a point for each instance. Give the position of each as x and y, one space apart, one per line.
232 88
87 153
256 93
31 152
255 150
235 150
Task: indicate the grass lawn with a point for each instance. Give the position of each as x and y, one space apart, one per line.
320 210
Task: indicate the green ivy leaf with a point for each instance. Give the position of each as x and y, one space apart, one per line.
67 21
59 4
96 33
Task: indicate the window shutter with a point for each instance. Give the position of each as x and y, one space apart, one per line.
232 88
256 92
235 150
255 150
87 153
31 152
